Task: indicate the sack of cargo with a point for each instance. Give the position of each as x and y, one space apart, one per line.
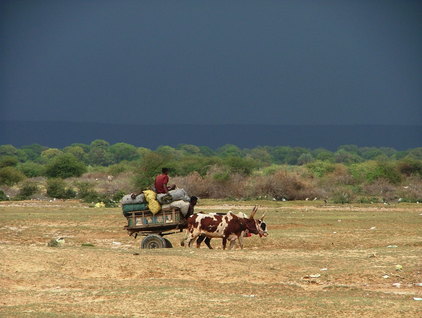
127 199
182 205
164 198
153 205
179 194
134 207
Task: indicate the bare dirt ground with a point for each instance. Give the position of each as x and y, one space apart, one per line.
318 261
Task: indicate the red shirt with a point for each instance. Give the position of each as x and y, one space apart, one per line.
160 181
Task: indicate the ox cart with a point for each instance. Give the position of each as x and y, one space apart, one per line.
155 226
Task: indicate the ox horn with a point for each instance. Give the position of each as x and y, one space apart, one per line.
253 212
262 217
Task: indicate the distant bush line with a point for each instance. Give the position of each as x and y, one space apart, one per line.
349 174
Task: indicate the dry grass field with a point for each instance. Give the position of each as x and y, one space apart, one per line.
318 261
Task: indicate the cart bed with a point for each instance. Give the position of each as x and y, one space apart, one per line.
146 221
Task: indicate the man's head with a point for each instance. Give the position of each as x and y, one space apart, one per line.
193 200
165 170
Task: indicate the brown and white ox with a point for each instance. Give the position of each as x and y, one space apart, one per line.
230 227
207 240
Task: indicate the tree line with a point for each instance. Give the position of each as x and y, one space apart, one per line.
37 160
214 169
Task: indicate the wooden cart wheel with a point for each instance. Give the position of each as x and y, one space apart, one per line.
153 241
168 243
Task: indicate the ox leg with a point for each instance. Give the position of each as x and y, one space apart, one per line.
189 238
224 243
232 242
208 242
240 238
199 240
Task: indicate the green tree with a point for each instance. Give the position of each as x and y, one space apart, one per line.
168 152
99 153
123 151
260 154
370 153
323 155
142 152
294 155
305 158
65 166
150 166
8 161
77 151
85 147
229 151
240 165
415 153
279 154
343 156
189 149
33 152
8 150
349 148
49 154
207 151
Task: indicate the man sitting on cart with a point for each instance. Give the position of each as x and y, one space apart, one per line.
161 182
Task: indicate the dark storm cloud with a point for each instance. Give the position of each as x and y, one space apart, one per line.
214 62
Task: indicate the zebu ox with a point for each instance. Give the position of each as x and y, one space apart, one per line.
207 240
228 227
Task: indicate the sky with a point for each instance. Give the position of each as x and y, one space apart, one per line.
212 62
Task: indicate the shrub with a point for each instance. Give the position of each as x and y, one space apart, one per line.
267 171
118 196
3 196
86 192
221 177
240 165
410 167
412 191
32 169
10 176
340 176
56 188
108 202
367 200
194 184
342 196
320 168
373 170
385 170
118 168
65 166
190 164
27 190
381 188
283 185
